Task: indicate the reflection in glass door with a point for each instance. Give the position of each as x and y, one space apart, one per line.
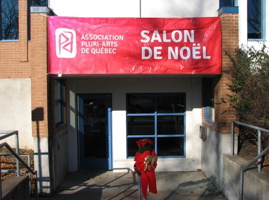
94 123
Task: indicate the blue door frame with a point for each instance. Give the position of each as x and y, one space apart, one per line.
94 129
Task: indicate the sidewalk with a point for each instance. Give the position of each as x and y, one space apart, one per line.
110 185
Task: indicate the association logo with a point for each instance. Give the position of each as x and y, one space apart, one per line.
65 43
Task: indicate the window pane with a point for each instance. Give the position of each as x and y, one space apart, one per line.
169 125
208 99
160 116
140 125
140 103
170 103
170 146
254 19
9 20
59 108
226 3
95 128
132 147
38 2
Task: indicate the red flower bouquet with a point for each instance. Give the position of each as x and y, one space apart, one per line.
145 164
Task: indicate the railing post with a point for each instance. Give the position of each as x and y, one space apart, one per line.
259 151
241 185
232 135
17 151
139 187
0 185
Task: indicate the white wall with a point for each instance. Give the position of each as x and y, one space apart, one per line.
179 8
135 8
214 146
15 108
119 87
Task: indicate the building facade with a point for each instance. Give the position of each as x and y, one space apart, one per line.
77 119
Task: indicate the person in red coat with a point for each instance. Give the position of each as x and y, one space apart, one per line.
145 164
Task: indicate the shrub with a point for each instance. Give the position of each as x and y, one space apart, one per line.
250 89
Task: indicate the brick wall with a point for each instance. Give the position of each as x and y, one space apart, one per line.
28 59
224 114
13 55
39 72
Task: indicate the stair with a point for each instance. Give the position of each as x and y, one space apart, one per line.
16 188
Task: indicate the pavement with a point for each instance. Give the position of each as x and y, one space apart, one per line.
109 185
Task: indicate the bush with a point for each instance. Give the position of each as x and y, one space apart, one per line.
250 89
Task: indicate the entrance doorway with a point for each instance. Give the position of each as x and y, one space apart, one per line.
94 128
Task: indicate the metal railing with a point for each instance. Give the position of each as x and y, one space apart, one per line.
259 153
7 134
13 170
259 130
244 169
17 156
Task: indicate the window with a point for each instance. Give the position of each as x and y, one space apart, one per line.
9 20
208 100
9 17
34 3
59 102
159 117
38 2
226 3
254 12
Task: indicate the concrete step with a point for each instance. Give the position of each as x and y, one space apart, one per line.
16 188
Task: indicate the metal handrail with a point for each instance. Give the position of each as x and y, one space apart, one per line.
8 134
259 129
17 157
20 160
244 169
257 158
21 155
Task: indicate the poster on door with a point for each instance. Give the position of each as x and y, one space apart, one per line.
134 45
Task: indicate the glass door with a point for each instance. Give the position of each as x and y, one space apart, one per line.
94 124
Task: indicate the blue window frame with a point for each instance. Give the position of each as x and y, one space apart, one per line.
9 20
160 117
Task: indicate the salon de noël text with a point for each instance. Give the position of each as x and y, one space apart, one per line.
173 52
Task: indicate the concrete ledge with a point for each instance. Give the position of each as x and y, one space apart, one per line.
256 185
16 188
228 10
41 9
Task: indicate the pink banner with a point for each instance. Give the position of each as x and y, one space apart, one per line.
134 45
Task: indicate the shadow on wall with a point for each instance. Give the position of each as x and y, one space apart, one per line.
37 116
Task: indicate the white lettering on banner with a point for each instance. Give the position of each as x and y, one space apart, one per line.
176 36
90 44
103 51
147 53
101 37
85 50
100 44
110 44
197 51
